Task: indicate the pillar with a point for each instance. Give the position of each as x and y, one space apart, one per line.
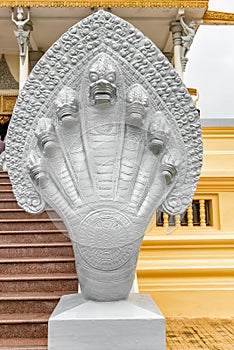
23 70
177 30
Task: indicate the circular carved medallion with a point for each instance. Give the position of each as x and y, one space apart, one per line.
107 239
106 229
107 259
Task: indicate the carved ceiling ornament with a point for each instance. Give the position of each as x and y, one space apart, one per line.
105 132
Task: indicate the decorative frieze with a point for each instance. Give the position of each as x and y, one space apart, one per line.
108 3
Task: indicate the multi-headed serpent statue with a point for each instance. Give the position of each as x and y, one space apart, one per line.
104 132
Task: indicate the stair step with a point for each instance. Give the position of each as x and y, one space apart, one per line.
18 213
17 325
36 268
4 178
39 283
23 344
5 185
36 265
30 224
51 250
34 301
6 194
35 236
3 172
24 318
8 204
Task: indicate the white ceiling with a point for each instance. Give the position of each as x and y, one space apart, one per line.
50 23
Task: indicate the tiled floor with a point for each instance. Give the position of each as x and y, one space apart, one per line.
204 333
182 334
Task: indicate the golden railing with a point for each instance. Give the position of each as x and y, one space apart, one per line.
197 214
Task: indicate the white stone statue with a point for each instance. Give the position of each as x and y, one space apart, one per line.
105 132
21 34
187 39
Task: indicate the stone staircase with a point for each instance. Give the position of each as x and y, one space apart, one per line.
36 268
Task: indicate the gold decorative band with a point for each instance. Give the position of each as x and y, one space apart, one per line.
192 91
106 3
213 17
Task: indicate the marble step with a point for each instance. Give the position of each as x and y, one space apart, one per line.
36 268
4 178
23 343
5 185
36 302
12 250
30 224
34 325
6 194
38 283
36 265
8 203
18 213
3 172
34 236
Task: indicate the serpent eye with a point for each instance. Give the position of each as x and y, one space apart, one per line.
93 76
111 77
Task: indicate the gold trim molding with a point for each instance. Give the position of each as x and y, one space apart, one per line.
206 241
107 3
213 184
210 132
214 17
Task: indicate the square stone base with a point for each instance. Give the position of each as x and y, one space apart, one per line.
132 324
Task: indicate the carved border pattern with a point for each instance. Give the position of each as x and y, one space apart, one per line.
104 32
107 3
214 17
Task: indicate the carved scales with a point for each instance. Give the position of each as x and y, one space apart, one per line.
105 132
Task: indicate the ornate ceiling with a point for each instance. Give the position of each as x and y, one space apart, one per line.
49 23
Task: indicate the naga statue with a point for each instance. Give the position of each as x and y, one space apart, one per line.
104 132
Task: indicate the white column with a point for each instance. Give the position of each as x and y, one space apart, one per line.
23 69
176 30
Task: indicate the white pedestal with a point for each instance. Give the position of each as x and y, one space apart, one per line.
132 324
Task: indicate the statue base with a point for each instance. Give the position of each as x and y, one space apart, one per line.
135 323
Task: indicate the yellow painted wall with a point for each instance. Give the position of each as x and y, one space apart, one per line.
190 271
227 211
